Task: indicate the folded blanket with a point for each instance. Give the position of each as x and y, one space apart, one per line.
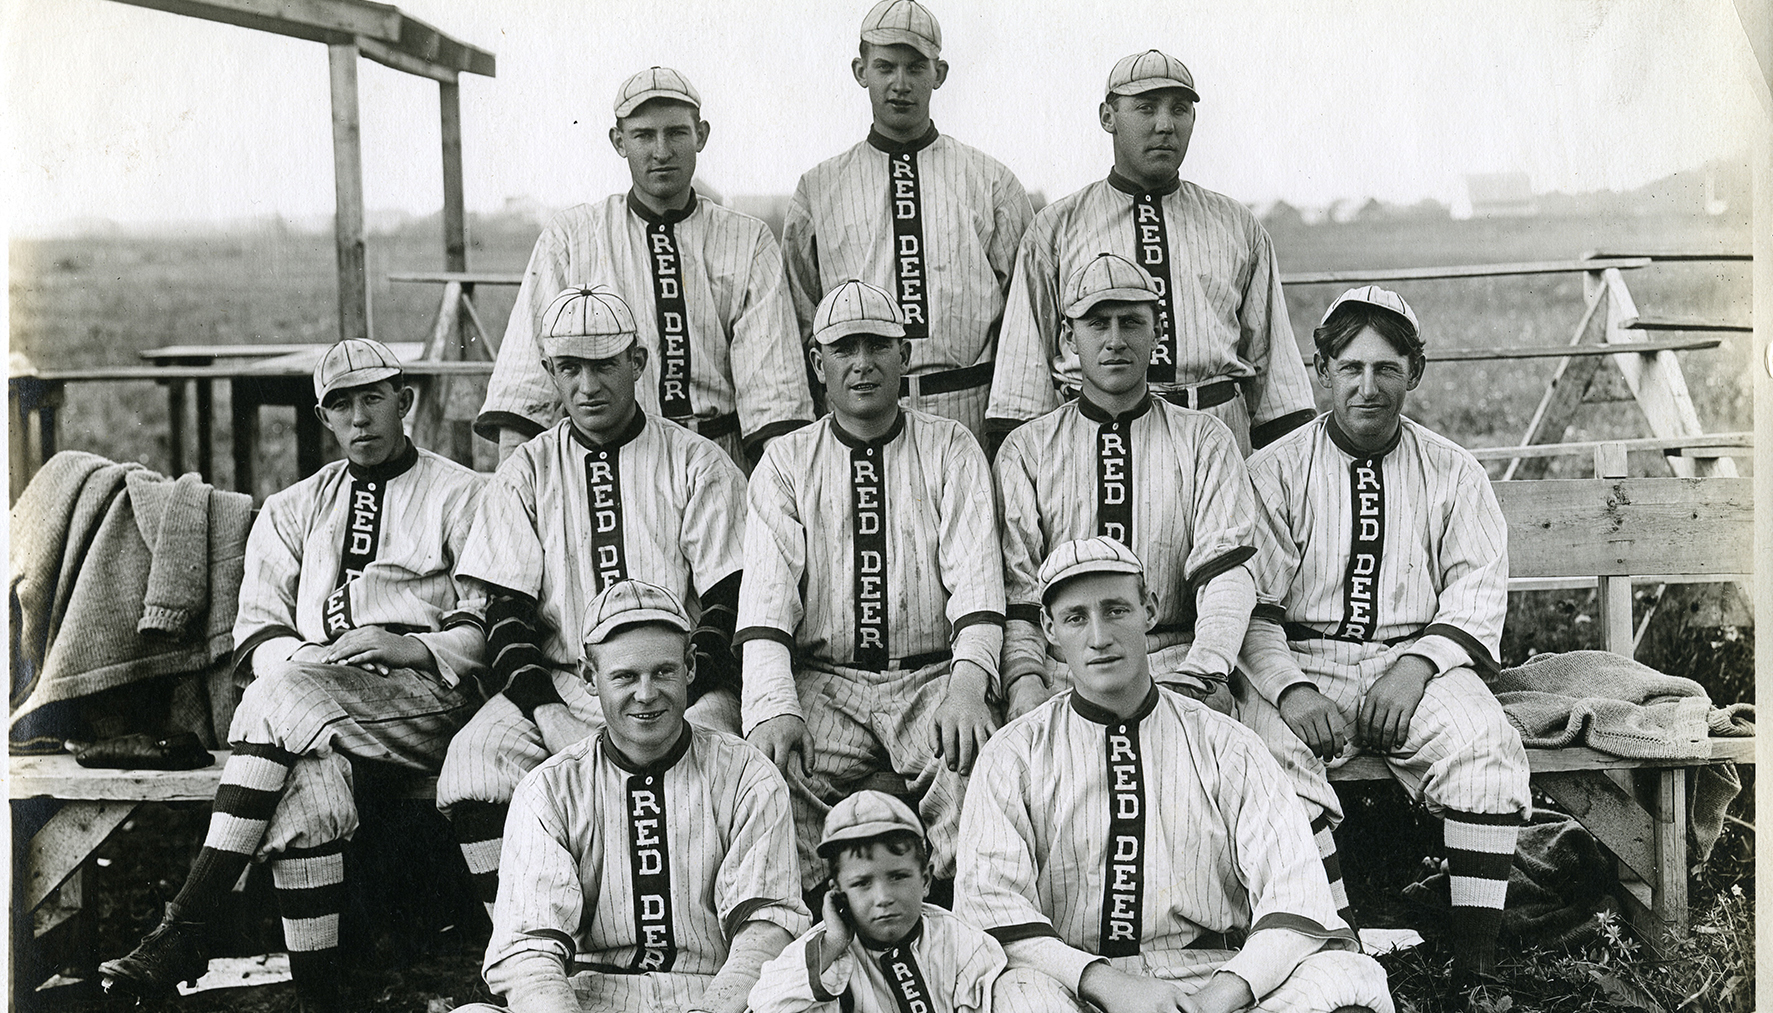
173 518
1615 704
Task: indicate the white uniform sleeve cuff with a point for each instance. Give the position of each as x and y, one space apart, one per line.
768 690
455 650
836 979
1442 652
275 649
1269 957
1024 651
981 643
1051 956
533 982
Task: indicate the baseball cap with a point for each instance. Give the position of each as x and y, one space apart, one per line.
586 323
1149 71
1108 278
866 814
655 82
856 307
627 602
1373 295
1100 554
353 362
903 23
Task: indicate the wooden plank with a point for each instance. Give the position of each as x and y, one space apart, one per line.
1564 351
397 59
1562 527
61 904
64 842
1367 767
1669 884
1674 255
261 370
1607 811
59 776
1645 323
1707 442
1460 271
1615 591
347 161
169 352
455 229
464 276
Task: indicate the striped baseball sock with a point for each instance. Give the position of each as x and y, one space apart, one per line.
1480 851
252 784
480 830
1326 850
310 896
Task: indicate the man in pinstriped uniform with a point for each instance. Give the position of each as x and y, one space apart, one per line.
1224 345
917 213
871 616
1135 850
1383 574
706 281
359 644
610 493
649 867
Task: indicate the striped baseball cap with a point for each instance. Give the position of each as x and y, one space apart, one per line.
1373 295
1149 71
856 307
627 602
655 82
866 814
1099 554
586 323
353 362
1108 278
903 23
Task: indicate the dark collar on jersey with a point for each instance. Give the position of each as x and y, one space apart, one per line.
393 467
623 438
1125 185
1096 413
905 940
1346 445
658 766
1103 716
670 217
847 439
892 147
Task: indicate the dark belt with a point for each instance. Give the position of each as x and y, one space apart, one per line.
1204 396
1300 631
947 381
714 428
914 662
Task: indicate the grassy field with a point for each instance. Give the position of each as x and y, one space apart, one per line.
101 301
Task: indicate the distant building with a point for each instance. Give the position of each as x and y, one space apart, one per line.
1498 195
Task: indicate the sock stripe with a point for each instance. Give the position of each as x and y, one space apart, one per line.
308 871
1483 819
478 821
276 754
234 834
1466 892
483 856
255 772
486 887
1333 867
310 903
247 803
311 935
1320 824
1478 864
1491 839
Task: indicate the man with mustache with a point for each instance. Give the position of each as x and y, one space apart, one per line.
1224 344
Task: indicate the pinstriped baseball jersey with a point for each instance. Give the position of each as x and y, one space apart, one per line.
841 225
1365 549
408 521
819 499
1165 481
1228 317
955 962
1137 837
741 352
622 868
564 517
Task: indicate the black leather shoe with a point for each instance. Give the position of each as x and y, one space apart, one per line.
170 954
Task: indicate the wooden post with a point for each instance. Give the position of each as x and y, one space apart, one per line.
347 168
1609 462
455 232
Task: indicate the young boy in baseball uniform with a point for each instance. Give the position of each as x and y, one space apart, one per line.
872 608
723 356
611 492
649 867
1383 572
882 947
1224 344
917 213
355 641
1134 849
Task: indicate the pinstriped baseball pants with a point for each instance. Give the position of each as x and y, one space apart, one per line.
1323 982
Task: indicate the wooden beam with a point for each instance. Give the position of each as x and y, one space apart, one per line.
1709 444
465 277
1368 767
1628 526
347 161
1562 395
1462 271
1607 811
388 56
1687 324
1615 589
58 776
1672 255
455 219
64 842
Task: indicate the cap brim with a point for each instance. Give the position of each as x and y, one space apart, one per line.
837 332
862 832
1084 569
588 346
638 99
356 378
1144 85
596 634
1088 302
902 37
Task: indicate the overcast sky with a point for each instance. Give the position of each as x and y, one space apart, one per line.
133 114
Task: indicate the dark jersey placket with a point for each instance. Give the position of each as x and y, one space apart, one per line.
905 207
665 264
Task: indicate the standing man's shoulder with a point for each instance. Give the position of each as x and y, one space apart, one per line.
733 220
829 172
1440 450
1230 210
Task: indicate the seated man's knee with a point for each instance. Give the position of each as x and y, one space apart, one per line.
489 755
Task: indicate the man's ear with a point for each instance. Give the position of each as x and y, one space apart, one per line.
905 352
1321 366
816 355
588 672
702 131
1150 610
1417 365
1068 335
637 355
616 141
407 396
320 413
1046 628
857 65
1105 115
941 73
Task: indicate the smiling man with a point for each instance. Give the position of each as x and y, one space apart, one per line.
1224 344
355 642
872 609
917 213
650 866
706 281
1134 849
610 493
1383 572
